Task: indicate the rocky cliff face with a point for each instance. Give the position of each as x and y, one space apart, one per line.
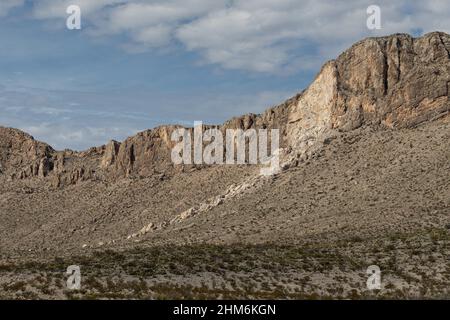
22 156
396 81
393 82
144 154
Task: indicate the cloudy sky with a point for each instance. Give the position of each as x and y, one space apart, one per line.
137 64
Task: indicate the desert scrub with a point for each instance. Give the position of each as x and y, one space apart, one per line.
238 271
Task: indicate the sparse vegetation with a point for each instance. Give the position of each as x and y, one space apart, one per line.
265 271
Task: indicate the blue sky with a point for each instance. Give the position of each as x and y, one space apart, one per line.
138 64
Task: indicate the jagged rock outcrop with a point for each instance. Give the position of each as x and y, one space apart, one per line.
21 156
110 154
144 154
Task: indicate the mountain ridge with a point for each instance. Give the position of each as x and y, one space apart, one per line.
392 81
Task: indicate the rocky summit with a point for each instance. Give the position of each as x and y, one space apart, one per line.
365 180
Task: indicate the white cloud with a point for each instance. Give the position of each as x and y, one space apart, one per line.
255 35
278 35
150 24
154 36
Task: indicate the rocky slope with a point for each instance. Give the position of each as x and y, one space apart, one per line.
385 83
